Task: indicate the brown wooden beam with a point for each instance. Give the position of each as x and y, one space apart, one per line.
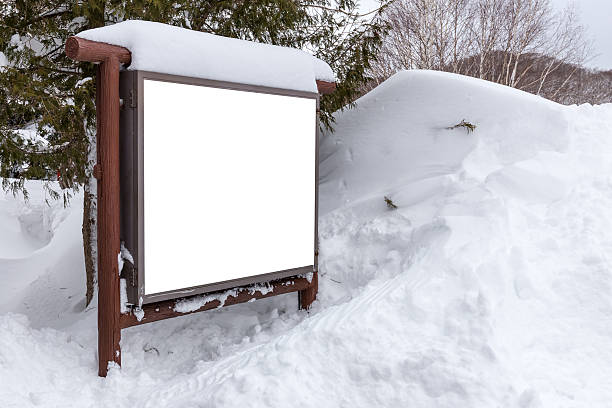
107 109
80 49
165 309
107 172
326 88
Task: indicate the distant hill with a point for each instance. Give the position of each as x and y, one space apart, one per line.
538 74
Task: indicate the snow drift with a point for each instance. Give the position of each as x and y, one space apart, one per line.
490 285
41 258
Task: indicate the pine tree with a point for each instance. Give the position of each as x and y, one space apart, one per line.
53 97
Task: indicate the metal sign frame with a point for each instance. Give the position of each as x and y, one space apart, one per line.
132 140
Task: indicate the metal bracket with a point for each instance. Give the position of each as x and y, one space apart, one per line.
132 99
133 277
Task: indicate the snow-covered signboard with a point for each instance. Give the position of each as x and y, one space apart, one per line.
207 172
218 183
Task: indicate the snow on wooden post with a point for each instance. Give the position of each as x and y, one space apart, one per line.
107 170
292 78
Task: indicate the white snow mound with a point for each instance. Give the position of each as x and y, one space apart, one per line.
398 134
490 285
41 257
173 50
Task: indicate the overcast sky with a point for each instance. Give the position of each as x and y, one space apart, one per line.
596 16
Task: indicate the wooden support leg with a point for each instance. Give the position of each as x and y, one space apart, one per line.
308 295
107 109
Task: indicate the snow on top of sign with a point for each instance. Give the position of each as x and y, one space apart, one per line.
173 50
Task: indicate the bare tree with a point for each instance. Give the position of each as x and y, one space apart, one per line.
485 35
519 43
566 43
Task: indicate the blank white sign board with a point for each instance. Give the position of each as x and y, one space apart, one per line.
229 184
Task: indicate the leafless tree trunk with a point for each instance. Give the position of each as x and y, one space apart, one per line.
89 227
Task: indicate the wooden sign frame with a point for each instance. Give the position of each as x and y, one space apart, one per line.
107 171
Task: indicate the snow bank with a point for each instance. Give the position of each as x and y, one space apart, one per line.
172 50
41 257
490 285
398 134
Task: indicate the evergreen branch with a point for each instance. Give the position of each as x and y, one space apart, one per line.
60 71
347 13
42 17
34 68
55 149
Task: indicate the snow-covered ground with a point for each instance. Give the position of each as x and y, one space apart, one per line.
489 286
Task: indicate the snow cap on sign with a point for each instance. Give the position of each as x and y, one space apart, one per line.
173 50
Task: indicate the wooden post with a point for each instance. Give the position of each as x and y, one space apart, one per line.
107 172
109 329
309 295
325 87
